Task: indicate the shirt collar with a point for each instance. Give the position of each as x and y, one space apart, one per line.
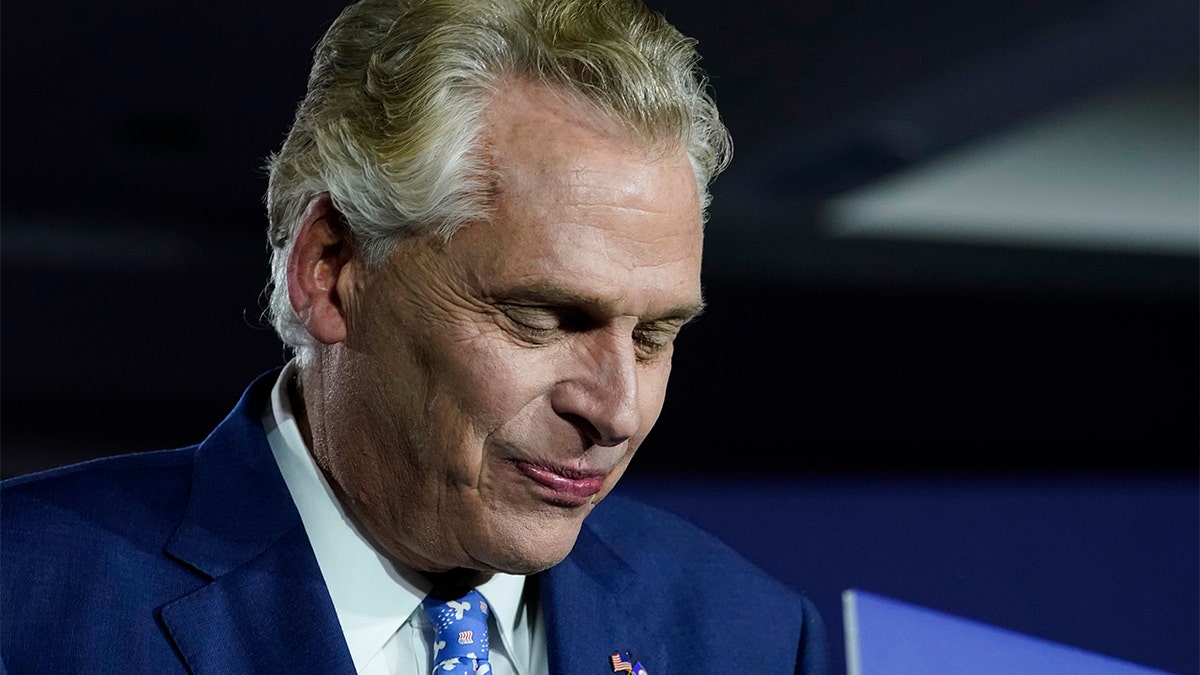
372 594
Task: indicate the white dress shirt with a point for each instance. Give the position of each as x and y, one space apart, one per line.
377 599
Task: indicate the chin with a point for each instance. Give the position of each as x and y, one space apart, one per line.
531 559
529 550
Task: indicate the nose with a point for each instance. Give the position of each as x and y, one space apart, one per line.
600 391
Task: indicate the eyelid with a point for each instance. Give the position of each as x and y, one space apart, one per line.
523 322
550 316
653 341
528 312
668 326
539 322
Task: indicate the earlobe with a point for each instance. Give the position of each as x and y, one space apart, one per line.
319 257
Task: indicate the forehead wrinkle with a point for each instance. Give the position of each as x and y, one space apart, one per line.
622 208
639 252
635 173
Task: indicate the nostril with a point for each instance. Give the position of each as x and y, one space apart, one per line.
588 433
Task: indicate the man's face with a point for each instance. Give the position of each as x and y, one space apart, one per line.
492 390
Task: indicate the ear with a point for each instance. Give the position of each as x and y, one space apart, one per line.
318 261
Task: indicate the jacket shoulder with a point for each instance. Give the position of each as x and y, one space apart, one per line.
719 593
649 537
83 546
140 492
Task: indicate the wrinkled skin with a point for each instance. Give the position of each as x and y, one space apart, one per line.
472 401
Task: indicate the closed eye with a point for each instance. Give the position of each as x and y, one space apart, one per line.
538 323
541 314
652 341
542 322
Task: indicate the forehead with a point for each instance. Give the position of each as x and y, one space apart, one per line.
580 206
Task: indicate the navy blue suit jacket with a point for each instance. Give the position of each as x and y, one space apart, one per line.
196 560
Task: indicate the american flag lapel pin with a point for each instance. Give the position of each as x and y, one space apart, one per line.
622 662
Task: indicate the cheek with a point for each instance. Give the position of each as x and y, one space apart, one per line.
653 393
490 381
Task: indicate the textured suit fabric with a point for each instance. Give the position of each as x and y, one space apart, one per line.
196 560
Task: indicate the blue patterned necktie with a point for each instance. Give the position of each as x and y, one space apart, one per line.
460 643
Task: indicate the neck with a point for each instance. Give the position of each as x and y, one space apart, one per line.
456 582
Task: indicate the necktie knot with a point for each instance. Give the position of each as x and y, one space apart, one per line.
460 643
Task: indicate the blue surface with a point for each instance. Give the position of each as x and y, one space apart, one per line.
1109 565
896 638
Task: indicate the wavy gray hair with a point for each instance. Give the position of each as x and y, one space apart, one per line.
396 101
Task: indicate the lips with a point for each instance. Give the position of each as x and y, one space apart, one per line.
567 486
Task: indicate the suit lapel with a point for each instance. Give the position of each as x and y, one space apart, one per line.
267 615
266 608
595 605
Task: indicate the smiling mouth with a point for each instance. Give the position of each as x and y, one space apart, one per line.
566 487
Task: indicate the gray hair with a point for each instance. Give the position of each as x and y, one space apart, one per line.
396 102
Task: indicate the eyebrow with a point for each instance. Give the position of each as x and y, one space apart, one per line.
557 296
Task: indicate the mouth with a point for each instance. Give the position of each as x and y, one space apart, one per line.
563 486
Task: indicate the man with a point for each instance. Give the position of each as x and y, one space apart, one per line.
486 225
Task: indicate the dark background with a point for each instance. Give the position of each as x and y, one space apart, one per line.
1046 388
